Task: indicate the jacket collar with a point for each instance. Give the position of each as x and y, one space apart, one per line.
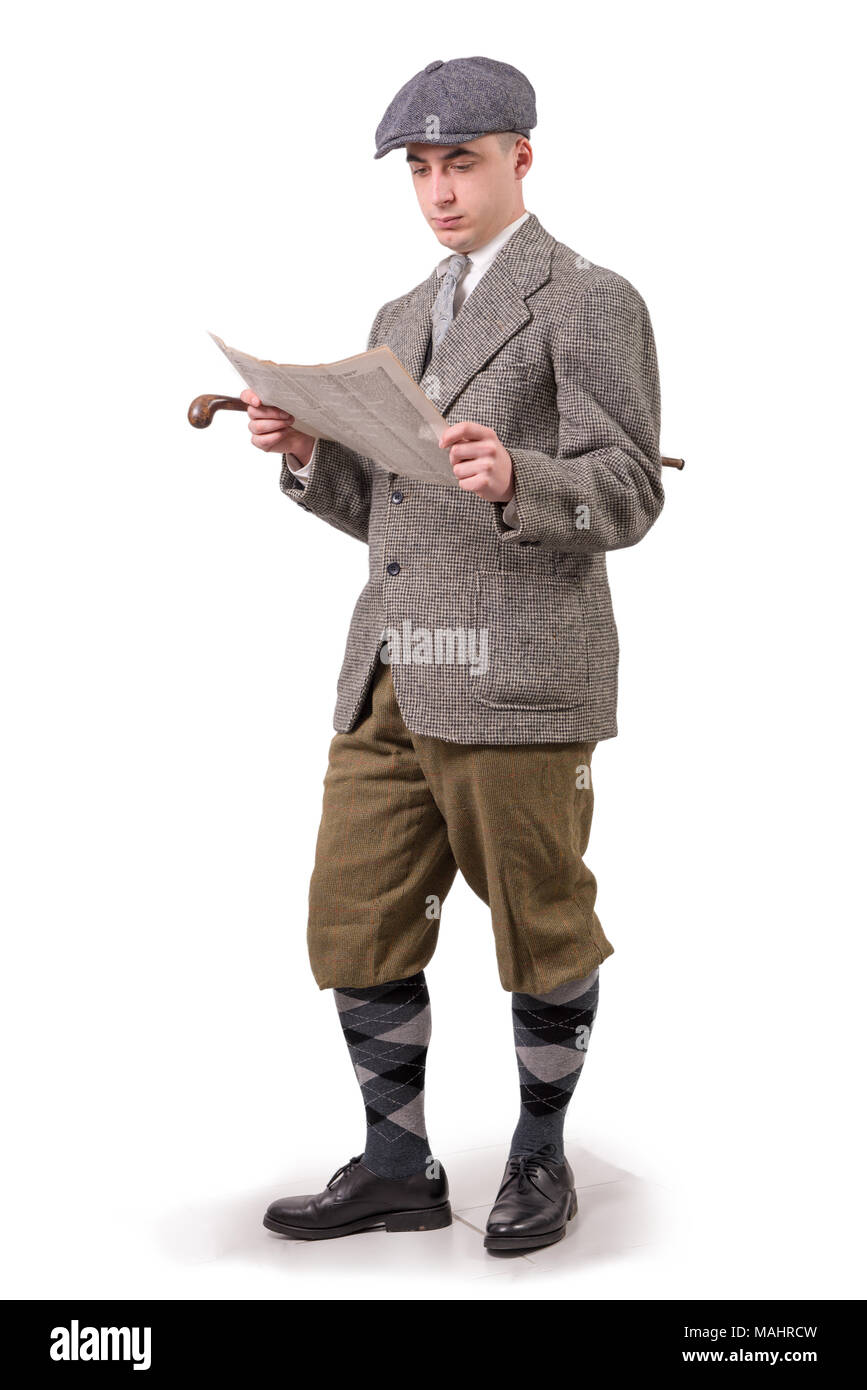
494 312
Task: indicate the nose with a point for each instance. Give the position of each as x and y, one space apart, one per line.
441 193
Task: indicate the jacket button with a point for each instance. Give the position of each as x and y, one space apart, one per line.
397 496
393 568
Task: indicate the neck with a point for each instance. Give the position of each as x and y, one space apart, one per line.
500 226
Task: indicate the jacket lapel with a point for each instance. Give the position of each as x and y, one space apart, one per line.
408 338
494 312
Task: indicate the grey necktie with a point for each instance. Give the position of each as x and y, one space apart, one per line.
442 312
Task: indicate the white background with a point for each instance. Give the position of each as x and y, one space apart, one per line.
173 628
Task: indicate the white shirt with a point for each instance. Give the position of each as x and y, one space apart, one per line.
479 261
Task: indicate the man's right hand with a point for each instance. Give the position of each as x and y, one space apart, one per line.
271 429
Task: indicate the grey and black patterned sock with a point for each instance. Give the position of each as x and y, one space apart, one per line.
551 1035
387 1030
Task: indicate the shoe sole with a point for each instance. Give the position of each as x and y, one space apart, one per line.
429 1219
533 1242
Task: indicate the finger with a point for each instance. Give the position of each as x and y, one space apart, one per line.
465 429
270 441
249 397
259 427
476 485
474 449
262 424
268 412
473 468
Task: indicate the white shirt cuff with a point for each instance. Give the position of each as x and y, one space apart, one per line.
299 470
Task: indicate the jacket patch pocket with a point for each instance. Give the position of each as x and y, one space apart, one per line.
508 375
531 630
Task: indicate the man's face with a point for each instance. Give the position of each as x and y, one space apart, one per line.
469 192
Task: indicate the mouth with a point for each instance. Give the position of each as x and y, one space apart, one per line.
447 221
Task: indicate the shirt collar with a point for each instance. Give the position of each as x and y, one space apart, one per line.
481 258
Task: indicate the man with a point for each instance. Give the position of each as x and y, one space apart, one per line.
481 663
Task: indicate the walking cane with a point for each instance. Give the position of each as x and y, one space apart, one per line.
203 409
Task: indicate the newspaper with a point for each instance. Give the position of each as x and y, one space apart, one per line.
369 403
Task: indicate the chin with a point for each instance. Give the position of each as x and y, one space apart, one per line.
444 233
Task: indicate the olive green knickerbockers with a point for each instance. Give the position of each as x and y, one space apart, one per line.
402 812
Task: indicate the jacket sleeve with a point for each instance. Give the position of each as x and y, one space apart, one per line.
338 485
603 489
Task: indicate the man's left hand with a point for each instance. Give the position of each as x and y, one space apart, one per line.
479 461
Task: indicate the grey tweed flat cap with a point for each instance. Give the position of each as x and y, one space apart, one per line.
447 103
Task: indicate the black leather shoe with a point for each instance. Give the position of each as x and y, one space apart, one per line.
357 1200
535 1200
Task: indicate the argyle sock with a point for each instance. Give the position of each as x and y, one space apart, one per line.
551 1035
387 1030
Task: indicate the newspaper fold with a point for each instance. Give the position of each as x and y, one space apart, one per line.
369 403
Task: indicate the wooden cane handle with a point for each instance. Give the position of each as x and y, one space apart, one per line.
672 463
201 412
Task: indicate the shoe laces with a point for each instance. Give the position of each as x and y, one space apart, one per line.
526 1168
345 1169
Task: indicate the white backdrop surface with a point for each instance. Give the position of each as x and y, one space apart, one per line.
173 628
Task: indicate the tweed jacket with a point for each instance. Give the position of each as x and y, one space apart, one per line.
496 633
